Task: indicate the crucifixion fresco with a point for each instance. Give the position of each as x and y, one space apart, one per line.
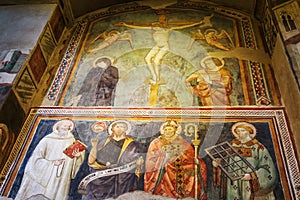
154 104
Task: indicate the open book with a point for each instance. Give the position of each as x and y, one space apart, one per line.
76 145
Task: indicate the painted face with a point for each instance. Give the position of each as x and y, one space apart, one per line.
169 131
210 65
63 128
162 21
242 133
119 129
102 64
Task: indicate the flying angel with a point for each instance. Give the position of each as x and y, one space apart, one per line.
213 38
109 39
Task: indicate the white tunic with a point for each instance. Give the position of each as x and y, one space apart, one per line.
41 177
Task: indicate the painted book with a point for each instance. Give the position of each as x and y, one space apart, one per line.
76 145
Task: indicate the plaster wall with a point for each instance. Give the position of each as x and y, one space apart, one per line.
21 25
290 95
28 25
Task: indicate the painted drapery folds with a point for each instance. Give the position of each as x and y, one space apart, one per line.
160 55
148 92
162 153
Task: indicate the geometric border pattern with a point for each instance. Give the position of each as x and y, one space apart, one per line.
276 114
260 88
66 62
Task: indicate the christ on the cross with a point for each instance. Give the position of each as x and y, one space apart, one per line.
160 33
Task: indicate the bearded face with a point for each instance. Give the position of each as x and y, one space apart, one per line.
63 129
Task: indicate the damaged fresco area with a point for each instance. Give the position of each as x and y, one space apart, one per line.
169 58
159 104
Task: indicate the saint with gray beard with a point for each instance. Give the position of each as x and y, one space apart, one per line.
49 171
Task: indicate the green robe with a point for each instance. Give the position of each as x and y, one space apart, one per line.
264 178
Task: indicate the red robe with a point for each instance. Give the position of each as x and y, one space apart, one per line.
177 169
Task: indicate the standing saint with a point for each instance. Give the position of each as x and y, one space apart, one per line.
98 88
49 171
257 184
109 156
213 85
170 165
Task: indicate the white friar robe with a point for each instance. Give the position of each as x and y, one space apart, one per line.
41 177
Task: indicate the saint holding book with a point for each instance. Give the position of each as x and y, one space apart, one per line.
49 171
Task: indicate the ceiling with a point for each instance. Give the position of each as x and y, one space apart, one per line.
79 8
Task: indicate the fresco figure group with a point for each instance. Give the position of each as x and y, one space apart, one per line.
170 168
158 69
160 34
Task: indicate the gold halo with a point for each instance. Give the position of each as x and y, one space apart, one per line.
243 124
54 128
210 30
4 127
120 121
210 57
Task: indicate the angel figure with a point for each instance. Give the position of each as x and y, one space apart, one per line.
213 38
109 39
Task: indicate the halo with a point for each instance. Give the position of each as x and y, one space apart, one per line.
210 30
120 121
100 123
112 33
4 127
210 57
54 128
111 60
178 130
243 124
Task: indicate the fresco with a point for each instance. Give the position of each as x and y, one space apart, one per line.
176 103
148 142
25 88
165 58
48 43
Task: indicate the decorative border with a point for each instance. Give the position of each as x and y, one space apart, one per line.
37 63
29 85
260 88
66 62
276 114
259 84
